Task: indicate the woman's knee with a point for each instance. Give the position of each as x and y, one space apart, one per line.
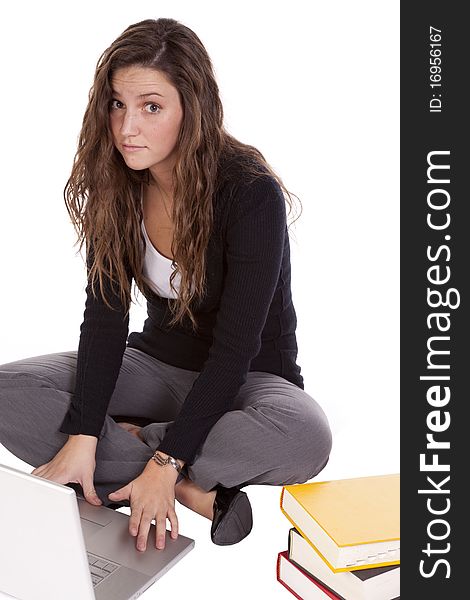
299 426
312 442
56 370
30 406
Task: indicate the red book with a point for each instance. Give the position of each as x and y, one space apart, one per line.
299 583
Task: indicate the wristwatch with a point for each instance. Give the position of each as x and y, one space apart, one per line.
158 458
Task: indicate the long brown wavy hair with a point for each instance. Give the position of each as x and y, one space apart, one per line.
102 194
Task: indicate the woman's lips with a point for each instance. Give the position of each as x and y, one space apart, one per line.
132 148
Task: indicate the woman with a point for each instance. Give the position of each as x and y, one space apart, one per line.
162 194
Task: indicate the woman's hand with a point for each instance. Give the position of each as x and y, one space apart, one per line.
74 463
151 496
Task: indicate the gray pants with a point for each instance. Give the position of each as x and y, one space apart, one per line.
276 434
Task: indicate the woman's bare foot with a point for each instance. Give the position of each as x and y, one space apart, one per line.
131 428
195 498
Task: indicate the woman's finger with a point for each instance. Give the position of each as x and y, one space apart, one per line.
134 520
41 469
173 522
90 492
160 524
144 528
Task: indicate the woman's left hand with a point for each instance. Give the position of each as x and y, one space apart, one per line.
151 496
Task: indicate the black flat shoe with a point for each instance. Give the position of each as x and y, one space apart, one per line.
233 518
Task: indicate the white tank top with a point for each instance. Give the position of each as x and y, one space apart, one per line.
158 268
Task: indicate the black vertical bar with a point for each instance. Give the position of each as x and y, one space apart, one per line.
435 261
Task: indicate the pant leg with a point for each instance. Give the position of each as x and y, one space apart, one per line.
275 435
35 394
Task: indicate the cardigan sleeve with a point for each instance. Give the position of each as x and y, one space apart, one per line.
254 246
103 335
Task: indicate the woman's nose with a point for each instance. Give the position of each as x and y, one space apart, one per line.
129 125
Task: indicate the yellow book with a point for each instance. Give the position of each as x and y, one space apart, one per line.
351 523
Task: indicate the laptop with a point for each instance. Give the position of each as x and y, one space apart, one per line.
56 545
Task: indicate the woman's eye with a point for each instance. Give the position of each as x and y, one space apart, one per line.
153 108
150 107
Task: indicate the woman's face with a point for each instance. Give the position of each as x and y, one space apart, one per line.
145 119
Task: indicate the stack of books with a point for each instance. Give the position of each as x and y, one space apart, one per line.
345 540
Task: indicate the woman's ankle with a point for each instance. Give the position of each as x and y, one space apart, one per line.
195 498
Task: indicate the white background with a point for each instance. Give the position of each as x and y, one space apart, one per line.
314 85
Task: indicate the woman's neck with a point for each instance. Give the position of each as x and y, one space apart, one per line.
163 182
158 202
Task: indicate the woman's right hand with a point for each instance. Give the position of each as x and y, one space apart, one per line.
74 463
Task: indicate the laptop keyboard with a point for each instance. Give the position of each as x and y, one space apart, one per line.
100 568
